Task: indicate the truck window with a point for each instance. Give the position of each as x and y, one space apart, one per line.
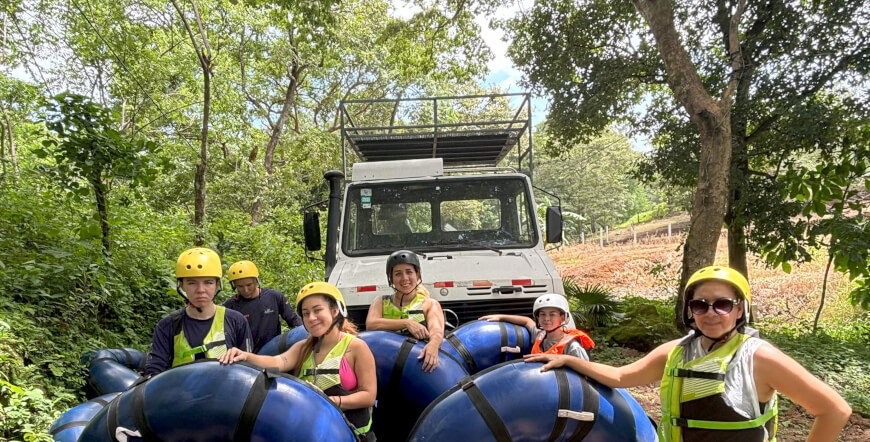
470 215
438 215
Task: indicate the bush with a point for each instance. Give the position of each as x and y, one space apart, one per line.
593 305
646 324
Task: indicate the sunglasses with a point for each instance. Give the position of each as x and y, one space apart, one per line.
722 306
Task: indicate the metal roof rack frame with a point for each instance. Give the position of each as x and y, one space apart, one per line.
481 142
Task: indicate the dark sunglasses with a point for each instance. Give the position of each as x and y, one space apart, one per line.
722 306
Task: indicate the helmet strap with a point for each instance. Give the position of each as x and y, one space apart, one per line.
721 339
320 339
402 294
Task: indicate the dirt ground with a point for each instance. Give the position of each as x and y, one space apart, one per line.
649 268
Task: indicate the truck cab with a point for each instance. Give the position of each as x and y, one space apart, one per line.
474 225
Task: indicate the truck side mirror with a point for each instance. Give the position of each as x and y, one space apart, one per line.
311 230
554 224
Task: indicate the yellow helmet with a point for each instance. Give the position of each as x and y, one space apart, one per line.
322 288
198 261
718 273
242 269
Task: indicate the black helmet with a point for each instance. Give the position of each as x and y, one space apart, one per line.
402 257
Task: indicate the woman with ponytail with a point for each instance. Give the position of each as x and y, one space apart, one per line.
409 309
332 358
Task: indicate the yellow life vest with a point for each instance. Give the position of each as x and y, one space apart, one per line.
326 376
412 311
213 345
693 404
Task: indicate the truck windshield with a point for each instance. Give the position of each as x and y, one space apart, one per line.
439 215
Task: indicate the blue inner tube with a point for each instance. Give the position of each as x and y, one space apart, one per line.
111 370
404 389
279 344
482 344
70 424
207 401
515 401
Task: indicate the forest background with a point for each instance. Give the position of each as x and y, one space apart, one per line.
131 130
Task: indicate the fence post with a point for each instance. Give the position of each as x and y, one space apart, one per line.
607 233
669 231
582 237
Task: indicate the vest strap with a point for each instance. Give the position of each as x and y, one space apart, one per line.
415 312
253 404
683 373
203 348
317 371
484 408
720 425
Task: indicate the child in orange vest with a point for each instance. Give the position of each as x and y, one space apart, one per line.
550 329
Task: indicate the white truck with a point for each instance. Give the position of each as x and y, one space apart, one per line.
436 188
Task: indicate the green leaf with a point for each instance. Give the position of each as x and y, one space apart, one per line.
786 267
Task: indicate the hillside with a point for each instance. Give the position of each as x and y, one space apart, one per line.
650 269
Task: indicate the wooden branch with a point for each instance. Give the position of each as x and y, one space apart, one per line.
734 52
823 79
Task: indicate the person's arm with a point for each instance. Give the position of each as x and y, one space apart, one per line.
363 363
290 317
160 355
774 370
284 362
646 370
435 322
513 319
375 321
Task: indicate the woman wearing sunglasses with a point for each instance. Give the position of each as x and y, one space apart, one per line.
719 383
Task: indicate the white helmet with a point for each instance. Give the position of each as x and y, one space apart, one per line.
553 300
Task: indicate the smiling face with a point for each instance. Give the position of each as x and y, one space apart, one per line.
200 290
317 314
550 318
712 323
404 277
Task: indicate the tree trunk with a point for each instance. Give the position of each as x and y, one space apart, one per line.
102 207
712 118
10 137
199 181
275 137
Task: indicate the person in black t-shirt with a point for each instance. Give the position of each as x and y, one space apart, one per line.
262 307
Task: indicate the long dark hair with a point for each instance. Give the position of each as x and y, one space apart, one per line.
340 322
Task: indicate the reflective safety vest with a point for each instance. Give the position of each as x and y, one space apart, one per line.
559 347
693 399
412 311
213 345
327 377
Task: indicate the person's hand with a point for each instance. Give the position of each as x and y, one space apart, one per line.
490 318
417 330
336 400
429 355
234 354
550 361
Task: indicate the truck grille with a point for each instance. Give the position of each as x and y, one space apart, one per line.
466 310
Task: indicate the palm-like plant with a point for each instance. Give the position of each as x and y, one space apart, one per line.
593 305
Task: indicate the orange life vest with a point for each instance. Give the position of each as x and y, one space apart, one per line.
559 347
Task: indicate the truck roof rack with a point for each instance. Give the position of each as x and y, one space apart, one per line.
465 131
